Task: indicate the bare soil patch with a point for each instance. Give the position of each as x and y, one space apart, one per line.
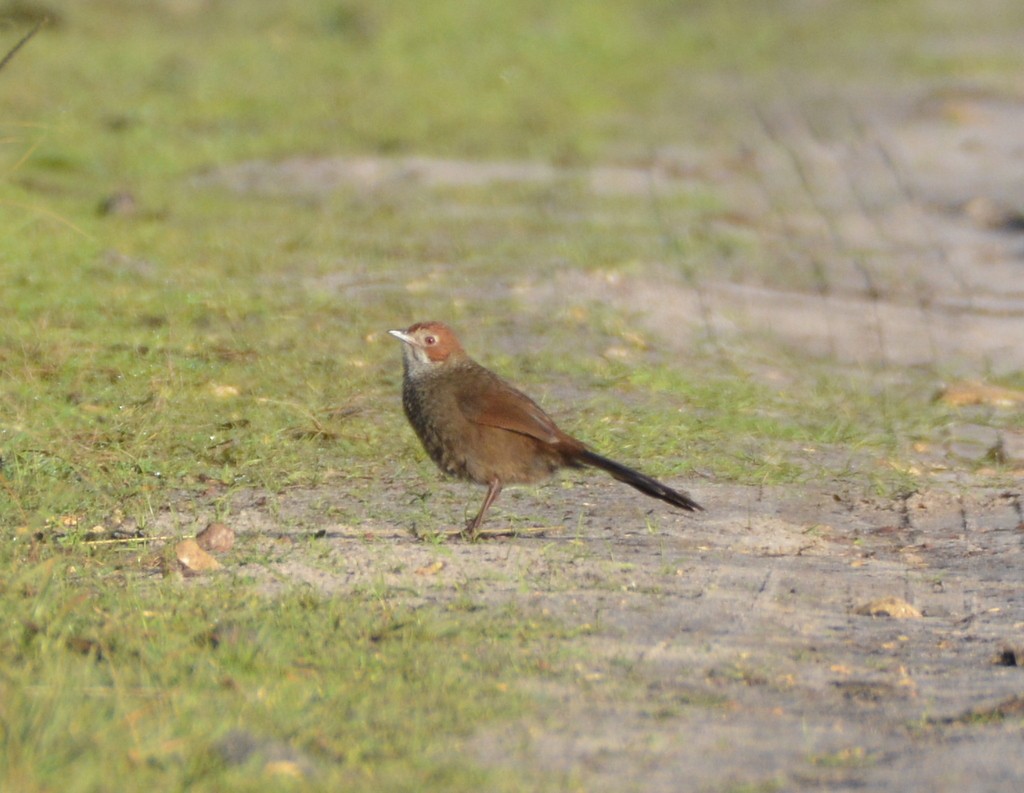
728 649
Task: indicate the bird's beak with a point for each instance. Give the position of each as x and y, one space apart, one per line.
401 335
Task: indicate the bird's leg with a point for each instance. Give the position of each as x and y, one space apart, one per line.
492 493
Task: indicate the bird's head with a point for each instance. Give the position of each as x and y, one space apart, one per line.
428 346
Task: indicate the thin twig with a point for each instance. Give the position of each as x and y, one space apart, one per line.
24 40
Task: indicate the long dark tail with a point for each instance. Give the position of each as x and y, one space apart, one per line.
642 482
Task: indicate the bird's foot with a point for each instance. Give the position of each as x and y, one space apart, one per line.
473 535
511 531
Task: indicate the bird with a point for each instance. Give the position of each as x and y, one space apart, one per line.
476 426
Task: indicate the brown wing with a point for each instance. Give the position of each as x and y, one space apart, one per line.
502 406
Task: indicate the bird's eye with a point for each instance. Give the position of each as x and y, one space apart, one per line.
430 340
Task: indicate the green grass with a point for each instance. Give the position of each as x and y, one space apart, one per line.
216 341
153 676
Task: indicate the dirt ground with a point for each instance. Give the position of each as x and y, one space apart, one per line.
729 650
732 651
